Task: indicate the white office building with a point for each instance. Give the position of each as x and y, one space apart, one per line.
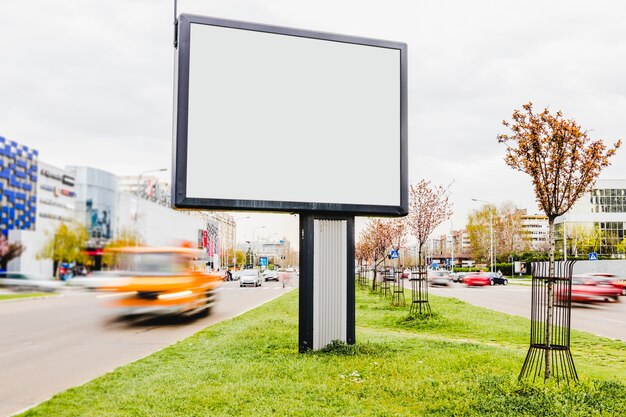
603 211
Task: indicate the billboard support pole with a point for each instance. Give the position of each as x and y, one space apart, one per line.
326 304
175 24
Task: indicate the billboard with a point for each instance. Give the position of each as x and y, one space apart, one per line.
290 120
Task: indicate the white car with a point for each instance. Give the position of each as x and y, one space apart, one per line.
270 275
250 277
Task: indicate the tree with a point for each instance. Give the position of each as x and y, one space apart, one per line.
65 245
563 163
376 239
9 251
509 235
587 239
240 258
429 206
478 230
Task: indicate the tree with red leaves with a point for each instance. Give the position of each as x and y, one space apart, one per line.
563 163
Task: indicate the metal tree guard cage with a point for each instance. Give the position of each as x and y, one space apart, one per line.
550 341
397 298
362 275
419 291
388 279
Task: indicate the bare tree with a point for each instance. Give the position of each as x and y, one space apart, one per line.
429 206
563 162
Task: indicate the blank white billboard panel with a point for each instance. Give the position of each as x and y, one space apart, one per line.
278 119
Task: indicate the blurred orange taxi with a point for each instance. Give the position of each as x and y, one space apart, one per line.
161 280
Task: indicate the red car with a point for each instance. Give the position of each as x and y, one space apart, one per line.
589 291
474 279
604 278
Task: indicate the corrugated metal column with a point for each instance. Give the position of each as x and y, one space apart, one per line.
329 277
326 281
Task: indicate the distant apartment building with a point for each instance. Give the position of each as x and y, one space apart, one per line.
535 226
147 187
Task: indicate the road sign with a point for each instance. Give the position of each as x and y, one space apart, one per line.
394 254
263 261
593 256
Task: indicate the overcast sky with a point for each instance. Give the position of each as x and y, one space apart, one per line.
90 82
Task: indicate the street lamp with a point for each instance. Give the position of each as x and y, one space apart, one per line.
254 243
490 230
452 237
235 240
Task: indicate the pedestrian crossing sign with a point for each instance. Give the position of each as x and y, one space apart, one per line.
593 256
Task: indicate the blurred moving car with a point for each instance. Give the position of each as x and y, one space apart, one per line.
477 279
607 279
250 277
585 290
496 278
157 281
270 275
26 281
439 278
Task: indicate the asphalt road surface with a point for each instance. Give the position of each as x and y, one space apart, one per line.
602 319
48 345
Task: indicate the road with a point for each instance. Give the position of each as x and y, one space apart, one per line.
602 319
48 345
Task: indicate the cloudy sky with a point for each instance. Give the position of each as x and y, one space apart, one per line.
90 82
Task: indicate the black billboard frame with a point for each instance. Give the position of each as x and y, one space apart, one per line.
179 156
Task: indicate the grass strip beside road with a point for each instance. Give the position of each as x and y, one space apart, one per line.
18 296
463 361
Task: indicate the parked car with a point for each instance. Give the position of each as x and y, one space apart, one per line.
458 276
270 275
250 277
608 279
585 290
439 278
23 281
477 279
497 279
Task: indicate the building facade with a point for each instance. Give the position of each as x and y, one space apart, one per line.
597 219
18 186
38 197
56 199
535 227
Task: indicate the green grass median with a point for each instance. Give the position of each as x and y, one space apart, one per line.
462 361
18 296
